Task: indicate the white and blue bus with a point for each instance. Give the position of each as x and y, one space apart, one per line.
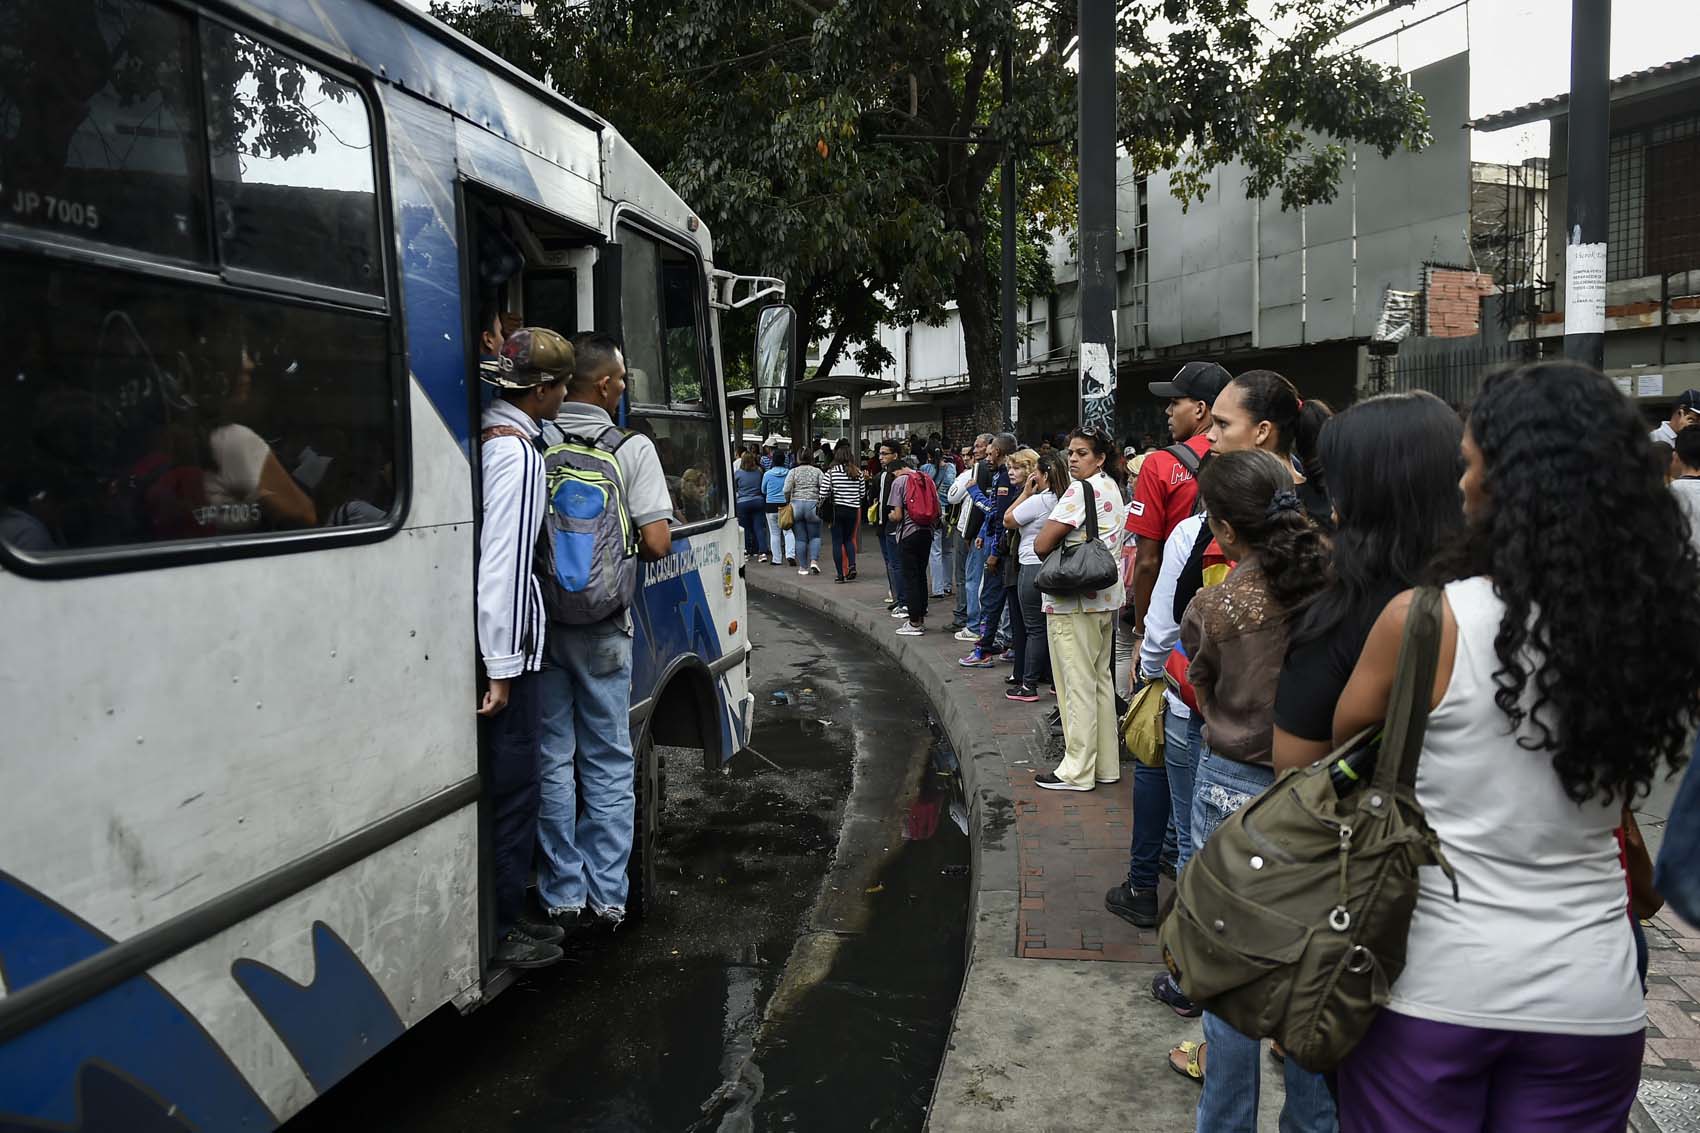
243 248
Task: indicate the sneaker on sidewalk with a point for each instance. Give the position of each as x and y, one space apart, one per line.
955 625
910 629
966 634
1050 782
977 660
803 570
900 611
1023 693
518 950
1137 907
1007 655
1165 990
814 568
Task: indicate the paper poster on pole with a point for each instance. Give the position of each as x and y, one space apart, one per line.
1585 289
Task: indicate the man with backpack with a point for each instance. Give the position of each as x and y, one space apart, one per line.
529 372
913 512
607 507
1167 487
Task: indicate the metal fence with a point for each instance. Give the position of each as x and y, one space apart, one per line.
1451 369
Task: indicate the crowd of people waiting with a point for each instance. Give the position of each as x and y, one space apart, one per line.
1270 555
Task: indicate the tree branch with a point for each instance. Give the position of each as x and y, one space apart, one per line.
829 356
769 50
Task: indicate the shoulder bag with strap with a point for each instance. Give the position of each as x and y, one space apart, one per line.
1291 922
1081 567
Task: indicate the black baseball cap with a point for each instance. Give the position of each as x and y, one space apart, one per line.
1690 400
1200 381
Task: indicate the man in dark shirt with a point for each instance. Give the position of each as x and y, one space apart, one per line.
992 501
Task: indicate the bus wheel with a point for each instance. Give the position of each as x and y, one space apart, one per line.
640 871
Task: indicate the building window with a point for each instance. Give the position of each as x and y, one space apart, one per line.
1654 206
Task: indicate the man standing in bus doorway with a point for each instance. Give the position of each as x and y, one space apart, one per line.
529 371
585 826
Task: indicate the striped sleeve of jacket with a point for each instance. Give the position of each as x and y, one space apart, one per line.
510 601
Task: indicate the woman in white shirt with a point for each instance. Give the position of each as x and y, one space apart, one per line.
1027 516
1080 628
1569 676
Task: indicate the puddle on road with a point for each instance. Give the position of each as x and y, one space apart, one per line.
799 975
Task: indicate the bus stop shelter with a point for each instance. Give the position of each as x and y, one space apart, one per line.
851 387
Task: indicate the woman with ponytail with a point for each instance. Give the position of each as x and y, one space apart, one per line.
1236 635
1262 409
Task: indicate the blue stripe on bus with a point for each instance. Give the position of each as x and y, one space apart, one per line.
135 1033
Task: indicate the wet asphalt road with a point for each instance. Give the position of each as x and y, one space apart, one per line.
800 972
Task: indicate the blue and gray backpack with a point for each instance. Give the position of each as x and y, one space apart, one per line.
588 551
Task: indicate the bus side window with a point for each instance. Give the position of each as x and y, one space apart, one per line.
294 192
145 405
661 312
100 133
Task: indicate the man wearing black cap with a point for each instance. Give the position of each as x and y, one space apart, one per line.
1684 413
1166 488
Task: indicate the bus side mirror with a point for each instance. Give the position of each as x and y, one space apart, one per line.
776 346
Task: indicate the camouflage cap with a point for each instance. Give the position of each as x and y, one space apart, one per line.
530 357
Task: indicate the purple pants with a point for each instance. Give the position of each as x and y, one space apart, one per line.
1417 1076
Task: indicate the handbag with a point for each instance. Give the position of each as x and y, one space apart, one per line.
786 517
1292 922
1142 724
1081 567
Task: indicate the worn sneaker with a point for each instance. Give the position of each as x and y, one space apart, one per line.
977 660
520 951
900 611
569 921
607 920
910 629
814 568
966 634
803 570
1023 693
539 930
955 625
1051 783
1165 990
1007 655
1135 906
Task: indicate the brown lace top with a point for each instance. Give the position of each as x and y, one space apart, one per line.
1236 635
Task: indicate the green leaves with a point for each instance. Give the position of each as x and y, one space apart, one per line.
853 146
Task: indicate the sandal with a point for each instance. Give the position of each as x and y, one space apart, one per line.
1194 1065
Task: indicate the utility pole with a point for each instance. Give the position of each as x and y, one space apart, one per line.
1011 401
1097 318
1586 170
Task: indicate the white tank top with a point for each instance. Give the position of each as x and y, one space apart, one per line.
1540 939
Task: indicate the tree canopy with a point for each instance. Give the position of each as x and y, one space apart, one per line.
853 147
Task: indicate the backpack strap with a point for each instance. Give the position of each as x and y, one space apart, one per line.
495 431
1185 454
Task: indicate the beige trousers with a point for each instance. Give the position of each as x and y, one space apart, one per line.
1080 661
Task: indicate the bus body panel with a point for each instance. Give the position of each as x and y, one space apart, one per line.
178 734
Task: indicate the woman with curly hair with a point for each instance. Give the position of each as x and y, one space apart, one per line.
1236 634
1569 675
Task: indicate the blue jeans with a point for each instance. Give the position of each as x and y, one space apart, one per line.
1228 1103
1183 738
1677 872
805 524
752 517
893 567
972 576
992 593
958 565
938 563
584 828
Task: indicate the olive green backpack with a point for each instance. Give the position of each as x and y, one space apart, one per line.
1291 922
